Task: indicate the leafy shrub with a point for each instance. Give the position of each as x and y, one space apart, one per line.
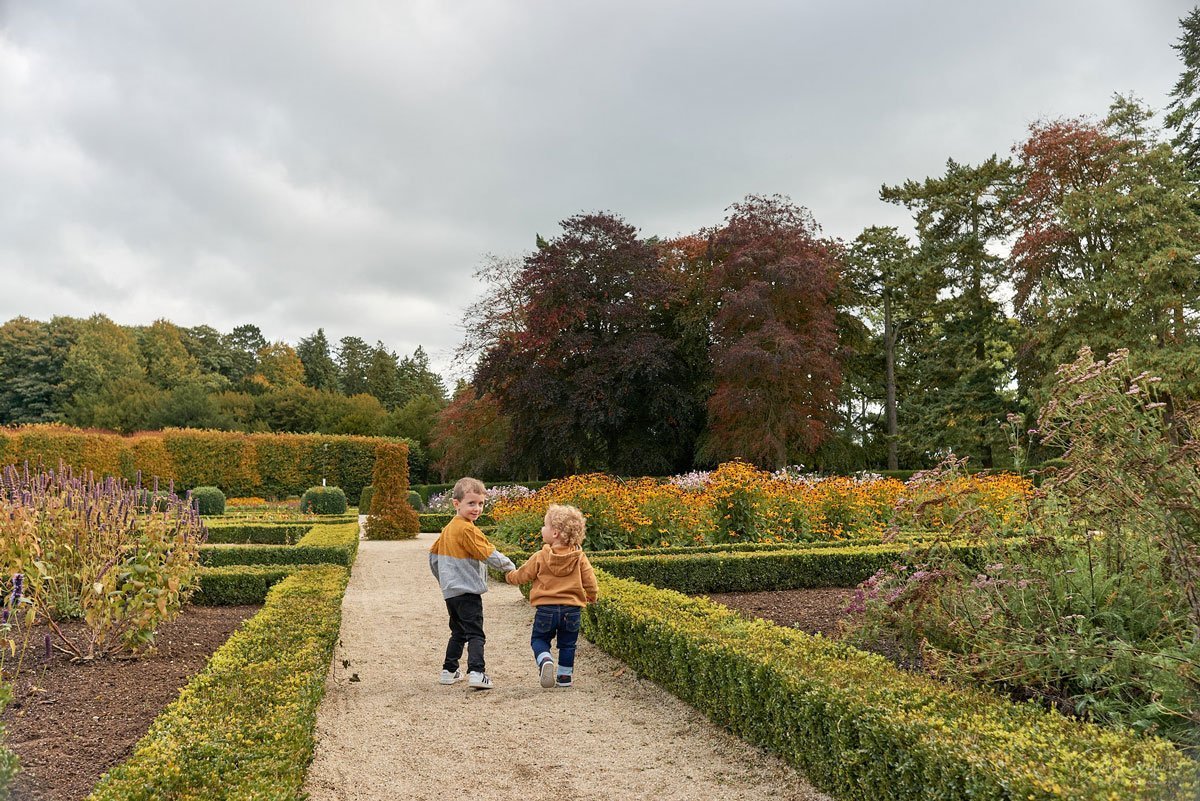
1097 615
209 500
391 516
238 585
364 499
414 500
323 501
81 548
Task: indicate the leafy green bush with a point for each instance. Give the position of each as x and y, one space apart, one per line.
323 501
209 500
1098 614
414 500
860 728
364 500
243 727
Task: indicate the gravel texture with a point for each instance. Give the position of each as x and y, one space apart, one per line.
386 729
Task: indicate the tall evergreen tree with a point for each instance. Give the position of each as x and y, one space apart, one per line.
320 370
353 361
1183 112
383 376
961 388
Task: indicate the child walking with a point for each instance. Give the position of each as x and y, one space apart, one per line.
459 559
563 583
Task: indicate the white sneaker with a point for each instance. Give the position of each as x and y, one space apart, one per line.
479 681
450 678
546 673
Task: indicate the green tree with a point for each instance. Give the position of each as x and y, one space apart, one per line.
383 376
1183 112
32 354
353 361
886 286
244 343
320 370
106 380
278 367
1106 249
167 360
416 379
960 379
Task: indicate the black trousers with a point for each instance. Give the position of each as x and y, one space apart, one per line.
466 629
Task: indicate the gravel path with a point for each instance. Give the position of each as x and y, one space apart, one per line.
386 729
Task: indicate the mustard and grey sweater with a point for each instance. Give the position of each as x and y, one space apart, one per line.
459 558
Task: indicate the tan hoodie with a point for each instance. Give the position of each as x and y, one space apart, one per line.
558 578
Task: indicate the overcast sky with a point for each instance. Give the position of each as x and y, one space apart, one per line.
347 165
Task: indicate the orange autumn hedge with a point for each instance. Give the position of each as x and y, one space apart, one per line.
268 465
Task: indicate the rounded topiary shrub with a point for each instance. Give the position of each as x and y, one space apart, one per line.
392 518
364 500
323 501
209 500
414 500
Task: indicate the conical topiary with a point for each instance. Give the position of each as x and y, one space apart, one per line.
391 517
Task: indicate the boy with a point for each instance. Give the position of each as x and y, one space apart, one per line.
563 583
457 560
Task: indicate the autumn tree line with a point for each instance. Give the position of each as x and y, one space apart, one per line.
759 338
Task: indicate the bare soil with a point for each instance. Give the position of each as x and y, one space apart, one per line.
814 611
70 722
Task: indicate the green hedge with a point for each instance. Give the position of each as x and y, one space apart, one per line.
436 521
243 727
771 570
256 533
323 501
860 728
236 585
323 544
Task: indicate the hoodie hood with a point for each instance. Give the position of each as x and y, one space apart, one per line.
562 564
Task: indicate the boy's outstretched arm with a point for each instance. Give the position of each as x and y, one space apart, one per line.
527 573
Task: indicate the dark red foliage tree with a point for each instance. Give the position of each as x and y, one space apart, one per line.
775 360
596 378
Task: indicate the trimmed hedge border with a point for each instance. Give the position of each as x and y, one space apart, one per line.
256 533
860 728
323 544
434 522
765 570
244 726
771 570
236 585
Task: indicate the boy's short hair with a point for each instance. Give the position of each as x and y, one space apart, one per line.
567 521
467 484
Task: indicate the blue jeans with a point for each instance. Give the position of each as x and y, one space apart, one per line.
554 621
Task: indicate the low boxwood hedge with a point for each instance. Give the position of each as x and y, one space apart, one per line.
764 569
860 728
434 522
256 533
235 585
243 727
772 570
323 544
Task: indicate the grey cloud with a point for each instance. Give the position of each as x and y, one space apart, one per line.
346 166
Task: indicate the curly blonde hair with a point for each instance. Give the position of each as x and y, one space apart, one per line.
567 521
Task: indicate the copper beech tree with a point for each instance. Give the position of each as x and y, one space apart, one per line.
776 365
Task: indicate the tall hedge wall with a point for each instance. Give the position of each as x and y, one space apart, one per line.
265 465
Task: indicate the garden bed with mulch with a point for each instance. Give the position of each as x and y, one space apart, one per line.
70 722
